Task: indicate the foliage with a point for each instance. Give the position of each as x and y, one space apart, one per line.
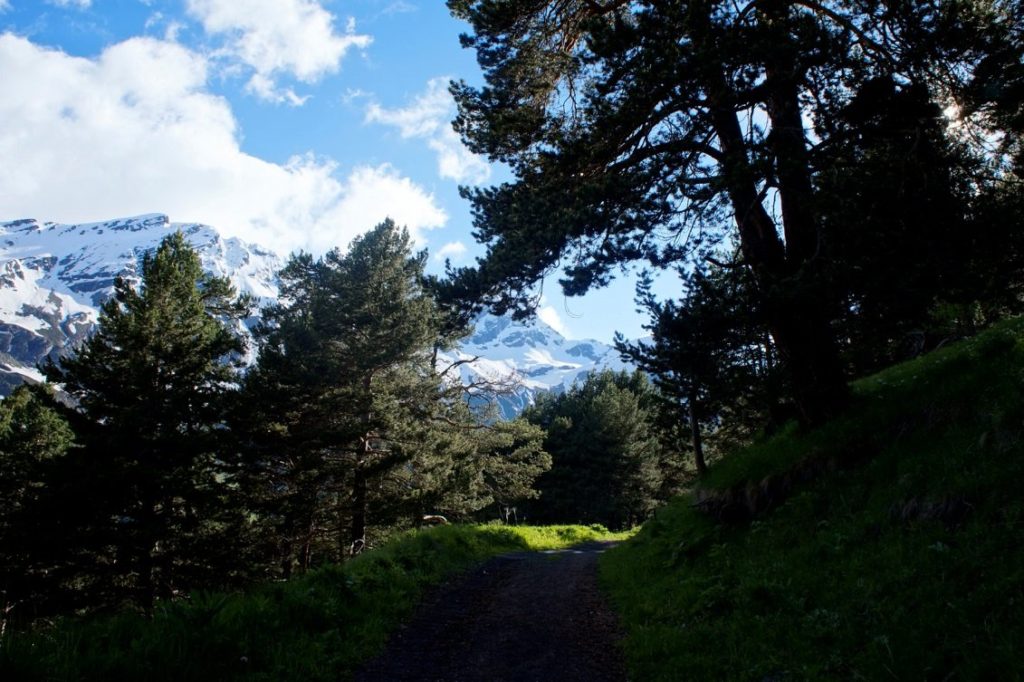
652 130
353 428
708 355
911 226
317 627
899 561
608 464
33 440
151 387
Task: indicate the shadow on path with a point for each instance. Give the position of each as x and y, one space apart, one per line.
519 617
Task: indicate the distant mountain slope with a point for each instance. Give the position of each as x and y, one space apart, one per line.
54 277
529 355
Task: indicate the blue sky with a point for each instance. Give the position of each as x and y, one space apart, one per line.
296 124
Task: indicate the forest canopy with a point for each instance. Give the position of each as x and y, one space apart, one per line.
846 150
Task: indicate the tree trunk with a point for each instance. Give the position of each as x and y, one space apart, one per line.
145 566
808 350
785 275
357 535
146 582
698 444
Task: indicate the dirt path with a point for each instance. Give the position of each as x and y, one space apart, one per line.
519 617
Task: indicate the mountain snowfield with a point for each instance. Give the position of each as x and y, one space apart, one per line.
526 357
54 277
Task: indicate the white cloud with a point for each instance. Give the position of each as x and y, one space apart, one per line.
172 28
136 131
265 88
399 7
424 116
456 162
4 5
351 95
549 316
277 38
79 4
427 117
452 250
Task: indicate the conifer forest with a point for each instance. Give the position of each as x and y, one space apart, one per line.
838 188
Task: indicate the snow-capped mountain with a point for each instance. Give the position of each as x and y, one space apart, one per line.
54 277
521 358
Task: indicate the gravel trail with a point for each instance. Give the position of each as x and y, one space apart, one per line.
517 618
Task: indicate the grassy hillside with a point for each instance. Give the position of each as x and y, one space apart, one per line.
317 627
887 545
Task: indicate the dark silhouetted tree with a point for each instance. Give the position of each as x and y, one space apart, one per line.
154 382
33 441
607 464
640 130
708 355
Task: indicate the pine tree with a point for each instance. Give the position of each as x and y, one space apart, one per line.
356 428
707 353
607 464
34 439
154 381
642 130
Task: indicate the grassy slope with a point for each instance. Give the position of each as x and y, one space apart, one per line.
317 627
903 559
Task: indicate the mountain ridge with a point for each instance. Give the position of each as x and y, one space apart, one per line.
55 276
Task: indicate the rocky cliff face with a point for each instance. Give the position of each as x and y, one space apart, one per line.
522 358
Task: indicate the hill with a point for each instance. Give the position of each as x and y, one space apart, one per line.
885 545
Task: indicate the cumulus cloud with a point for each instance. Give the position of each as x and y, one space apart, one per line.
79 4
549 316
136 130
451 250
427 117
4 5
275 38
423 117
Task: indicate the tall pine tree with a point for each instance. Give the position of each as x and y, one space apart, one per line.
154 381
355 429
636 129
34 440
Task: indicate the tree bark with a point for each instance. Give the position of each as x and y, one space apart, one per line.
698 443
785 273
357 535
358 530
146 568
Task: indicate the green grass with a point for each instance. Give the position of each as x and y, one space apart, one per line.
902 560
317 627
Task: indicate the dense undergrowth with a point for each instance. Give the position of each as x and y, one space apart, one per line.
897 551
317 627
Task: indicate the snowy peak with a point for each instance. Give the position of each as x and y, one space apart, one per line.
524 357
54 277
